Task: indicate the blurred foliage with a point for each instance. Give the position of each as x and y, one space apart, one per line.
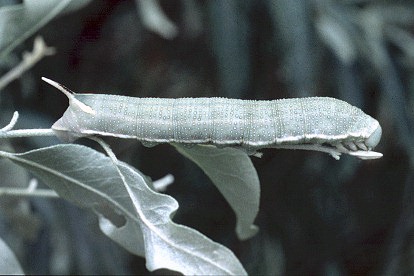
318 215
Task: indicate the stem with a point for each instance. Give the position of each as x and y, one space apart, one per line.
12 123
40 50
28 193
161 184
27 133
332 151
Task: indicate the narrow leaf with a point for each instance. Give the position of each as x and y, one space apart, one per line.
90 179
232 171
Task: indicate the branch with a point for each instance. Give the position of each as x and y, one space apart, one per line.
26 192
27 133
8 132
12 123
335 152
31 190
161 184
155 20
40 50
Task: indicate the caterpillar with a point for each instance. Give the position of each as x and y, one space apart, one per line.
314 123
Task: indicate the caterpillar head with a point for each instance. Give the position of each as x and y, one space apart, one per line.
373 140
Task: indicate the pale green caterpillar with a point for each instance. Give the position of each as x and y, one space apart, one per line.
315 123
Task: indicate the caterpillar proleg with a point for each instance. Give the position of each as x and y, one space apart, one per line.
314 123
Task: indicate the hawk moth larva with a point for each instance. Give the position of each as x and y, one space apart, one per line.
315 123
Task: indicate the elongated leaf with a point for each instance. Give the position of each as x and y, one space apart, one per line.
8 262
232 171
90 179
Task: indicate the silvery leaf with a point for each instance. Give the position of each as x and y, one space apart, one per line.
232 171
90 179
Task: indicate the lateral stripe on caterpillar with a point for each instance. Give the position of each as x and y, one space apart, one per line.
247 124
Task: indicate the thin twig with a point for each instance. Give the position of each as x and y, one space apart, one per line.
24 192
161 184
40 50
334 152
12 123
27 133
8 132
32 185
154 19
